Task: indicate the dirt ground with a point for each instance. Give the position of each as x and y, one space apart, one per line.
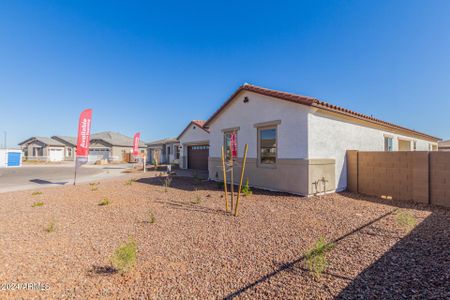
197 251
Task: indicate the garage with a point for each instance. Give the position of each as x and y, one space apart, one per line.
194 146
56 154
198 157
98 154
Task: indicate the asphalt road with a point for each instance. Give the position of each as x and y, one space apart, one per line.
31 177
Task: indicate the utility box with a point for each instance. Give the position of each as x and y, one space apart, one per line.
10 158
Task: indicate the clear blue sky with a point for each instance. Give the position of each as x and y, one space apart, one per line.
152 67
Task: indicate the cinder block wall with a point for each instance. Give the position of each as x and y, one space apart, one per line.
440 178
422 177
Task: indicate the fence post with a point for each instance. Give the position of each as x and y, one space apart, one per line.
352 171
429 177
357 172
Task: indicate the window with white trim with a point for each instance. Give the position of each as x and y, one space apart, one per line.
388 144
227 143
267 145
177 152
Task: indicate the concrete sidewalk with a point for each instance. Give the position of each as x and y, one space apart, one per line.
44 176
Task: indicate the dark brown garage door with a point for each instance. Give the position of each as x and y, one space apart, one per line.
198 157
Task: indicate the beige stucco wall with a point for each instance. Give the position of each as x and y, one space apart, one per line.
117 152
36 144
296 176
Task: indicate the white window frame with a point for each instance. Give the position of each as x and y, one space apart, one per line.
258 142
226 149
391 138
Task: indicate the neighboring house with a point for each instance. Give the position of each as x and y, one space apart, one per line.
194 141
166 151
42 149
298 144
112 146
70 144
444 145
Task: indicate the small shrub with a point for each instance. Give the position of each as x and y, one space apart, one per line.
406 220
316 259
36 193
129 182
51 227
37 204
94 186
104 202
197 200
151 217
155 162
246 189
220 185
166 182
124 257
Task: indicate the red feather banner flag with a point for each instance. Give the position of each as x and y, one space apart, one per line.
136 138
84 136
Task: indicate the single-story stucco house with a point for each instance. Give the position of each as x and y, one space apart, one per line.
70 144
194 143
166 151
444 146
42 149
112 146
298 144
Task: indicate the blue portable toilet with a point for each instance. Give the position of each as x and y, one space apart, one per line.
14 158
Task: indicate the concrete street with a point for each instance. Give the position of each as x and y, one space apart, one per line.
42 176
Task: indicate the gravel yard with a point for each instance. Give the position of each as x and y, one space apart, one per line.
196 251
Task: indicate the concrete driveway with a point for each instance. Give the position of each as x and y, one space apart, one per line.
41 176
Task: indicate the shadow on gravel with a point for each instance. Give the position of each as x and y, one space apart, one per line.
395 203
181 183
102 270
418 266
296 264
41 181
192 184
191 207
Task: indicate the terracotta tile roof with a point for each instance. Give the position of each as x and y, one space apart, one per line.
198 123
309 101
444 144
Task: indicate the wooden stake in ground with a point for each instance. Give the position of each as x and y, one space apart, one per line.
225 180
232 181
240 181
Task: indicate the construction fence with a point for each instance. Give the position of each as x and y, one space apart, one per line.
421 177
